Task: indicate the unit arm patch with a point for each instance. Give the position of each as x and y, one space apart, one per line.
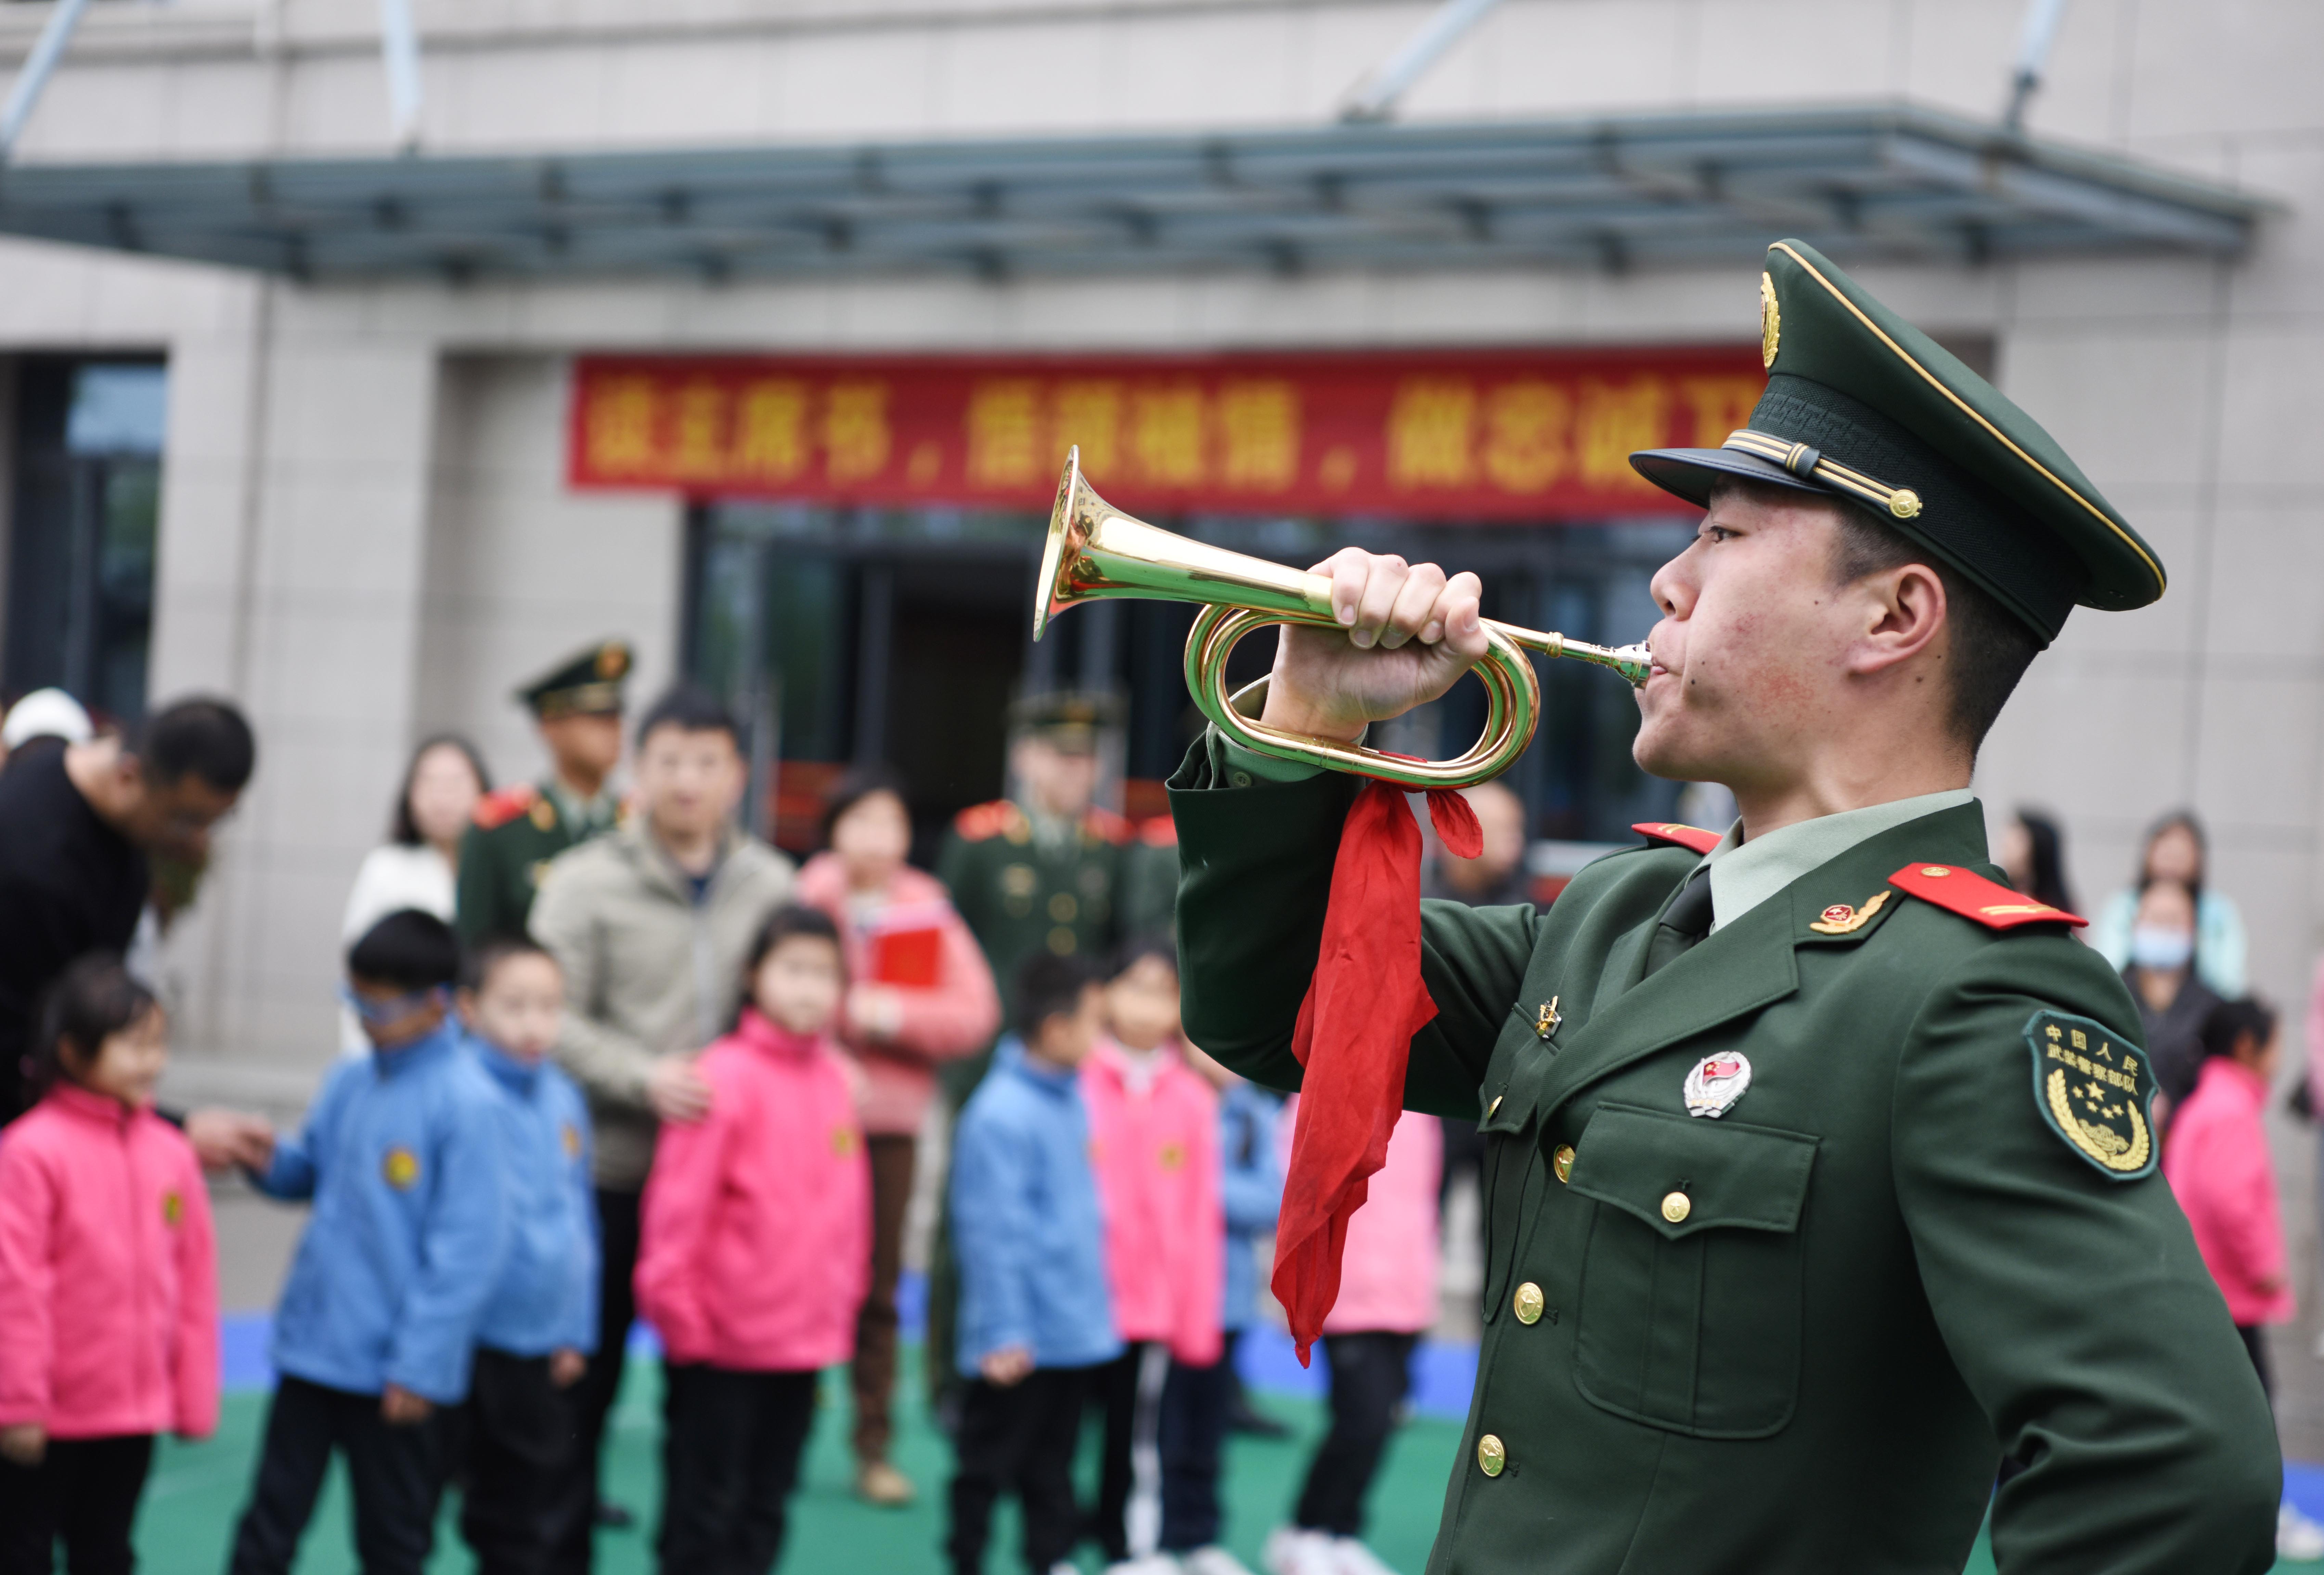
2096 1091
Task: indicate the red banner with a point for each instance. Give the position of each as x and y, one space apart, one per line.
1450 435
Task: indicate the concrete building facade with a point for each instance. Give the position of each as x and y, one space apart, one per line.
366 534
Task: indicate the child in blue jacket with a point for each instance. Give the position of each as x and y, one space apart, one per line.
1035 1318
400 1156
539 1325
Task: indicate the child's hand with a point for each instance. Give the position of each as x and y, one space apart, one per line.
566 1366
1007 1366
400 1407
26 1443
874 1011
676 1090
229 1139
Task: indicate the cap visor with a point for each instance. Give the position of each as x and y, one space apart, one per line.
1692 473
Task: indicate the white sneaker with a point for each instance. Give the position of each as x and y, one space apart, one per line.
1147 1564
2297 1537
1212 1560
1065 1567
1292 1550
1350 1556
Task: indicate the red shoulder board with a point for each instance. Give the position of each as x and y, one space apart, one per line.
497 808
1684 836
1107 826
981 822
1973 897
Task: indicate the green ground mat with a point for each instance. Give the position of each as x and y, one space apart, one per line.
197 1490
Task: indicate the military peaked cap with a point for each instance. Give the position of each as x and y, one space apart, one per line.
589 684
1069 719
1861 405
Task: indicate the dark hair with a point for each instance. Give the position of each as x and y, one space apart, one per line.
1138 948
2231 1021
410 949
205 736
858 784
2177 818
690 708
94 999
2048 875
485 961
403 829
792 919
1988 648
1049 986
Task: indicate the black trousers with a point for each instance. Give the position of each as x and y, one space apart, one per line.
592 1399
84 1493
2255 1337
1113 1390
396 1473
1369 1376
523 1445
729 1457
1018 1440
1194 1406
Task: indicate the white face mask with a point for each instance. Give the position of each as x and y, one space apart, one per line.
2161 949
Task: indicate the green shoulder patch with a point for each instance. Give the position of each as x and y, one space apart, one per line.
2096 1091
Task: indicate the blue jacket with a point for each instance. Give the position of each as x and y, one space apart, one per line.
1252 1190
1025 1225
401 1155
547 1297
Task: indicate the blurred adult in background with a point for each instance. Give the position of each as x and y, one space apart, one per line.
43 720
1494 878
651 924
2175 850
79 827
2032 854
577 709
919 994
416 866
2166 982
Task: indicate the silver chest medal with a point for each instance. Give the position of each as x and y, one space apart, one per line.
1715 1084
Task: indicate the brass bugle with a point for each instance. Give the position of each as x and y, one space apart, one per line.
1094 551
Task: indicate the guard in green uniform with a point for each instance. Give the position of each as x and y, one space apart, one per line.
577 709
1821 1175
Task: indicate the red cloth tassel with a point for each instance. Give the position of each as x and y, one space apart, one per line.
1354 1036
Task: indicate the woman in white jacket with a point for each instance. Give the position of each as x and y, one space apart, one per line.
418 865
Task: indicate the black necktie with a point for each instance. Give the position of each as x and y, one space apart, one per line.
1686 921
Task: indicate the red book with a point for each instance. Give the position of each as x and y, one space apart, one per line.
909 958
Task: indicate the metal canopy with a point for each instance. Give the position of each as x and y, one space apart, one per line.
1880 181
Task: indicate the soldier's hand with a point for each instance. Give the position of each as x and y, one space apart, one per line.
676 1090
1406 633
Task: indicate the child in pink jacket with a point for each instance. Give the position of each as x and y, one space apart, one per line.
108 1280
1387 1300
2216 1158
1154 1125
754 1252
920 993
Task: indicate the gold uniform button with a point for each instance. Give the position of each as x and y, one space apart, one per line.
1562 1162
1491 1458
1527 1303
1491 1107
1936 871
1676 1207
1062 908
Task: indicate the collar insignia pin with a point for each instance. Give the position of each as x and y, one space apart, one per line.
1715 1084
1840 919
1545 1022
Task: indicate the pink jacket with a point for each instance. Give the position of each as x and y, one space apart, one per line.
1156 1157
917 934
2216 1160
1388 1274
755 1239
109 1273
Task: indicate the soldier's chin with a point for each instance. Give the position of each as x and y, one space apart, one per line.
1662 749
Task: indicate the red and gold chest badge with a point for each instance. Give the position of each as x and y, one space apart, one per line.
2096 1093
1843 919
173 1207
400 1168
570 1136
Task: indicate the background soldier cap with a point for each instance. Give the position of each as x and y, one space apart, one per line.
589 684
1069 721
1862 405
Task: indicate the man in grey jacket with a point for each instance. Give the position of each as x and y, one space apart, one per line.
651 924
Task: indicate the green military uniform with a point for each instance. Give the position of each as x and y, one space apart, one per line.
1797 1228
518 830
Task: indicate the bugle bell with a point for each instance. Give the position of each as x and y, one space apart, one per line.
1095 550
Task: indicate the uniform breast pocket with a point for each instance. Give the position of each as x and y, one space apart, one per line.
1690 1314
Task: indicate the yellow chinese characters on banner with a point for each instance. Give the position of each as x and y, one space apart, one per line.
1507 435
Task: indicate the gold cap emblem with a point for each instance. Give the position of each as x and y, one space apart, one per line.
1526 1303
1770 321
